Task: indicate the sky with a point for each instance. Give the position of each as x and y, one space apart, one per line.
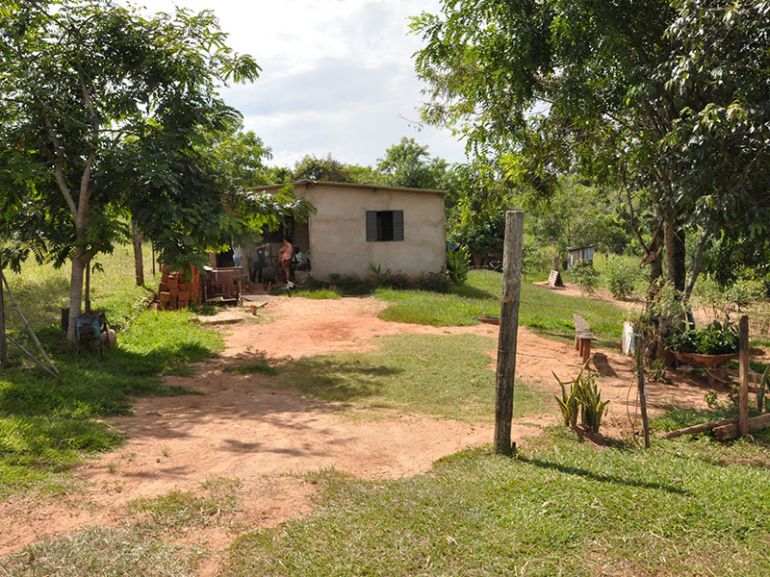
337 75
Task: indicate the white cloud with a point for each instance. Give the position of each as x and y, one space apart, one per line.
337 75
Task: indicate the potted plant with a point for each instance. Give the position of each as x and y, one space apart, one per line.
711 346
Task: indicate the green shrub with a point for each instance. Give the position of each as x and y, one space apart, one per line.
745 292
457 264
714 339
352 283
395 280
622 276
586 276
583 400
437 282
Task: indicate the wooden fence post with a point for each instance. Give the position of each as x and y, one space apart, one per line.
639 350
3 341
509 325
743 397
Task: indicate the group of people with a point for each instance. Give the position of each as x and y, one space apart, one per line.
265 272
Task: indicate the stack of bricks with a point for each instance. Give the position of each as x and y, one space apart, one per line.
174 293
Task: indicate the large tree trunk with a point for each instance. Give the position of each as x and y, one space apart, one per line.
76 292
138 260
88 285
676 262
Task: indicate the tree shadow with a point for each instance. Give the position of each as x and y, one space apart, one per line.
333 379
603 478
46 423
471 292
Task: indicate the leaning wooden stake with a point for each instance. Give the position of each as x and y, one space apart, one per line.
32 334
639 349
743 396
3 341
509 325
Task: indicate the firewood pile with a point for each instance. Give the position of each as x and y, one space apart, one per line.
177 290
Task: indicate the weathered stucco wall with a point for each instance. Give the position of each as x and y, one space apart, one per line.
338 230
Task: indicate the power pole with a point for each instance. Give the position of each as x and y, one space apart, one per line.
509 326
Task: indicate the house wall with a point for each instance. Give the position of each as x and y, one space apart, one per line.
338 231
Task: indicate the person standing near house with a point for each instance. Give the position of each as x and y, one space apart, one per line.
285 255
237 256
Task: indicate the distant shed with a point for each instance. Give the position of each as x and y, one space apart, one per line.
576 254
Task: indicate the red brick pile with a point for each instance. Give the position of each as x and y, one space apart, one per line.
177 290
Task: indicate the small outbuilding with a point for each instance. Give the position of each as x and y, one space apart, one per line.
576 254
356 226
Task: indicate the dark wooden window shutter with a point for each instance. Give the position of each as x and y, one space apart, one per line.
371 226
398 225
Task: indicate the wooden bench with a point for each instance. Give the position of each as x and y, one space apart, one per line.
583 338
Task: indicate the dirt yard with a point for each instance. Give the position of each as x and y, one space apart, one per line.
237 428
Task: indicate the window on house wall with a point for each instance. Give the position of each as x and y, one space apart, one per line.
384 225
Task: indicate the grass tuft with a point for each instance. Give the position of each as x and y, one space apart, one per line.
101 552
261 367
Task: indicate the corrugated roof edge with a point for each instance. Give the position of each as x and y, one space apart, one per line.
309 183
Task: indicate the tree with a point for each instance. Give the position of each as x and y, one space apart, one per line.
409 164
96 93
321 168
634 95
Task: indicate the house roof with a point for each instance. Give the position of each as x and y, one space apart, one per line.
372 187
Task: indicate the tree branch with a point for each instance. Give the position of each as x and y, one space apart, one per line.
58 168
697 263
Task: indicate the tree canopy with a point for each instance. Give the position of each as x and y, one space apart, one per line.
110 111
666 100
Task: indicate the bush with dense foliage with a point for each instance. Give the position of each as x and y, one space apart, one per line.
621 276
586 276
717 338
457 264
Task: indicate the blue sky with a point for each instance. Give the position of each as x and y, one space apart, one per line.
337 75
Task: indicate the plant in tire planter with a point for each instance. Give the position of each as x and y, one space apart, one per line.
714 339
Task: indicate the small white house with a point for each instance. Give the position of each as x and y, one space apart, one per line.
355 226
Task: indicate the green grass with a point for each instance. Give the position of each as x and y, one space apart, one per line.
542 309
180 510
46 426
257 367
562 508
43 291
446 375
102 552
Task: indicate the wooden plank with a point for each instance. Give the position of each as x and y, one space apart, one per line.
699 428
727 432
509 326
53 370
554 279
743 395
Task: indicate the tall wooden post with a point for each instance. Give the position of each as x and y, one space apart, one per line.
743 397
3 341
639 351
509 325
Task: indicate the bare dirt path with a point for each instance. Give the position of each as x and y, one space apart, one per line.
237 428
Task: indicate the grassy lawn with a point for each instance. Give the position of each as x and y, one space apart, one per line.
46 426
562 508
541 309
445 375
